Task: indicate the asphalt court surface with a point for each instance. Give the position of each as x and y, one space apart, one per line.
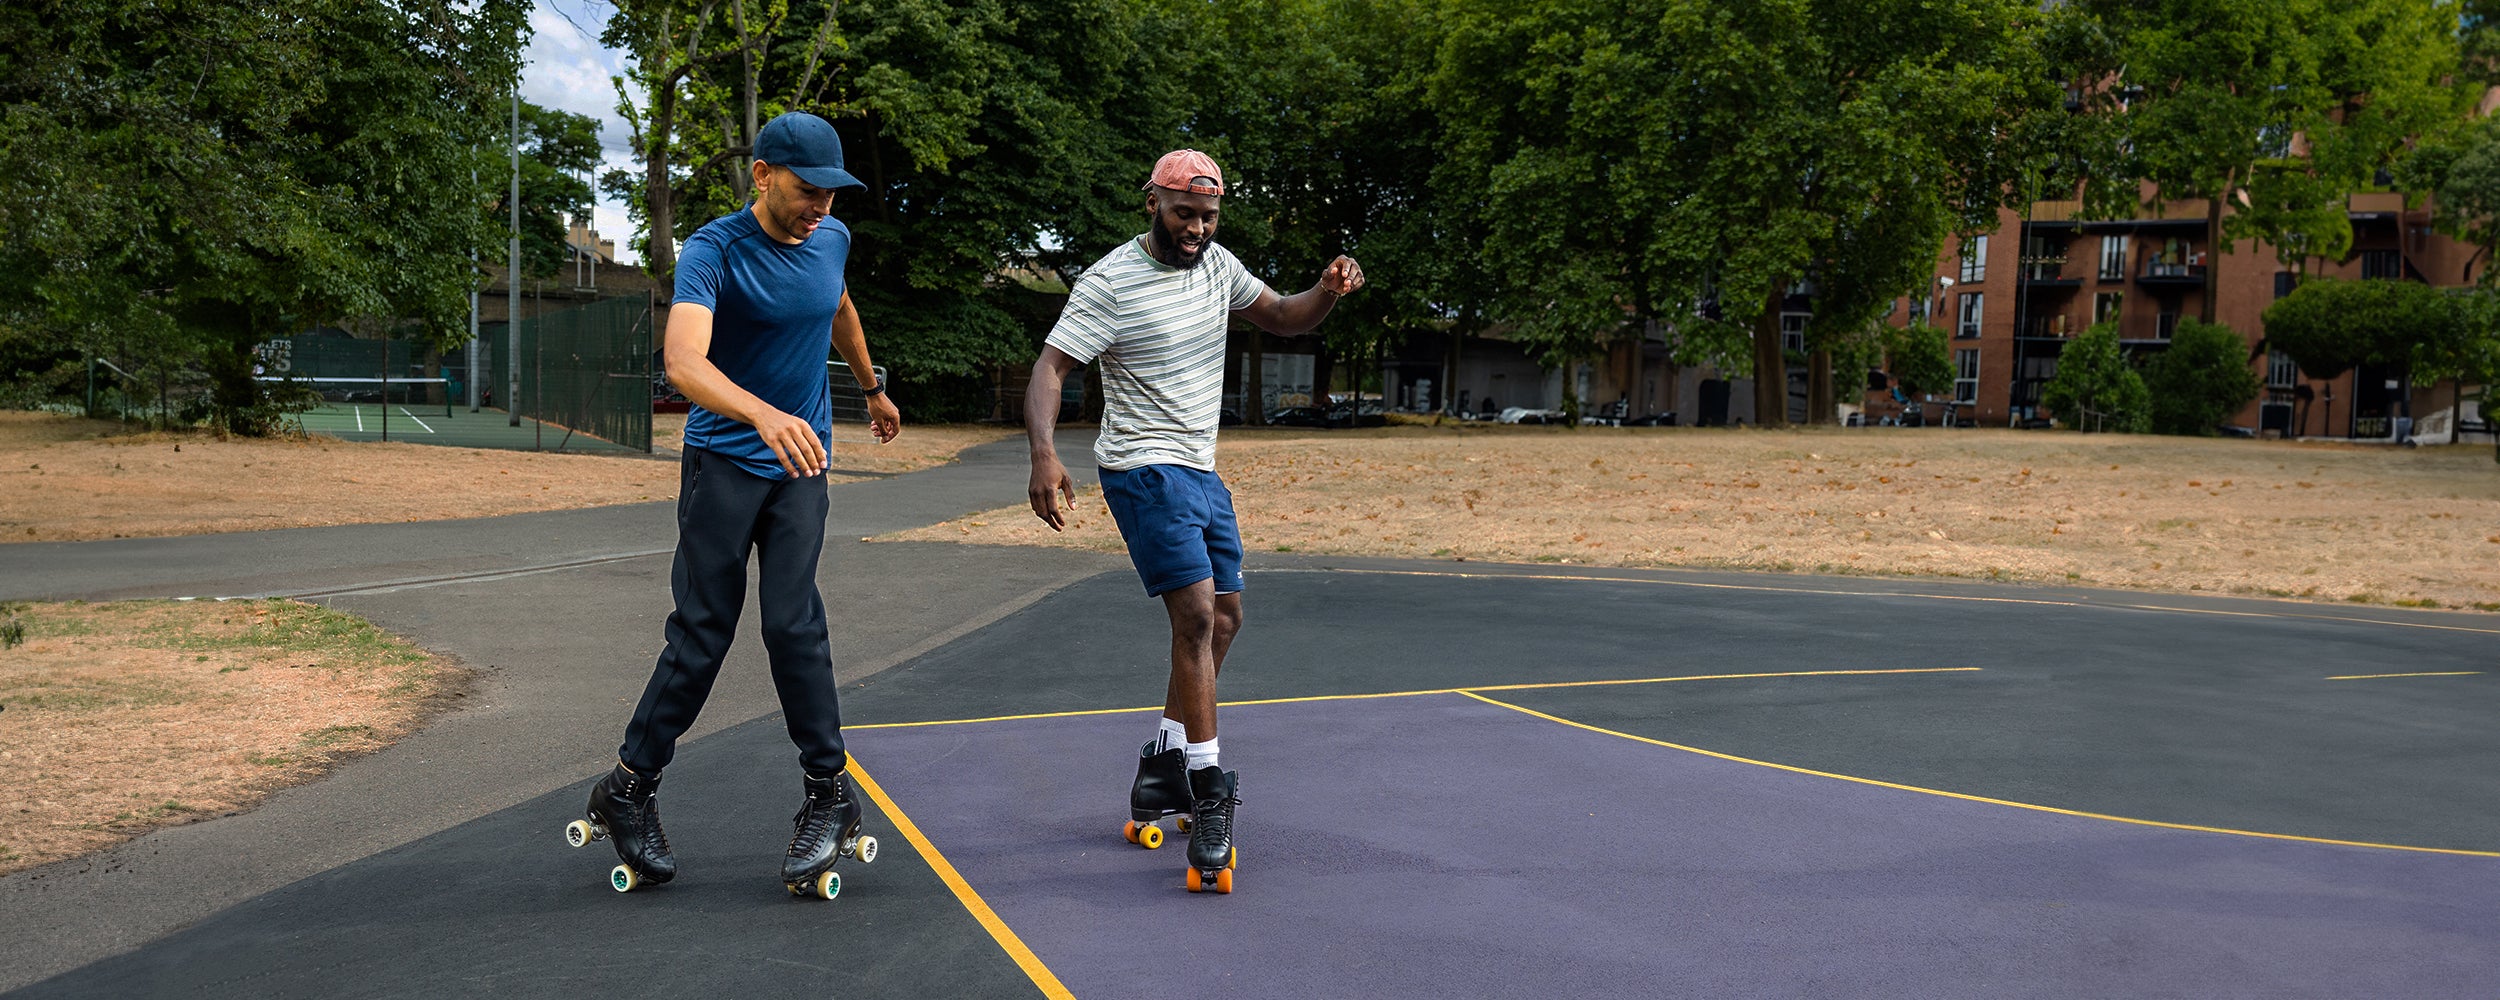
1437 843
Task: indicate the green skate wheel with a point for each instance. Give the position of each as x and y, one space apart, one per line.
580 833
827 885
623 879
865 849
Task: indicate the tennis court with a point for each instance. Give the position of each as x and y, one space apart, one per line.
397 410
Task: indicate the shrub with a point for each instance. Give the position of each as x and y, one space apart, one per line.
2094 388
2200 381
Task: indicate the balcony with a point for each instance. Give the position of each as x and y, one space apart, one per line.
2173 274
2048 273
2058 327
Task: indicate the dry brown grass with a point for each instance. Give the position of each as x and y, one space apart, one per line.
120 718
2415 527
63 479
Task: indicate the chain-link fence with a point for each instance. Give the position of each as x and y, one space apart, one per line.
584 370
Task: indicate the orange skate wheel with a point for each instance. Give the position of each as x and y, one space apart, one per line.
1224 881
1193 881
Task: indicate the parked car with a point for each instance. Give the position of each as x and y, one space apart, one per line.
1524 415
1666 419
1297 416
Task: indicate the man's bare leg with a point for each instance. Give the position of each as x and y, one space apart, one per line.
1203 626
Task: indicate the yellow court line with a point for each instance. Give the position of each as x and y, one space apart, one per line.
1413 694
1981 798
1882 593
1007 939
2372 677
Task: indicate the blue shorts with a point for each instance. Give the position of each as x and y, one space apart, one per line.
1179 526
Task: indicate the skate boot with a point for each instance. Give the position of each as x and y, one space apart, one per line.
827 828
1212 792
1162 789
625 807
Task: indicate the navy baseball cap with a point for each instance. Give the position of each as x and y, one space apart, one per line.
806 145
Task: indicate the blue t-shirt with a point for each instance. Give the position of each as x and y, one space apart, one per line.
772 326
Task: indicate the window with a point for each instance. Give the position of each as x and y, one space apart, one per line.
1971 306
1966 375
2113 258
1793 331
2165 324
2274 142
2381 264
2105 306
1918 310
2281 373
1975 259
2284 282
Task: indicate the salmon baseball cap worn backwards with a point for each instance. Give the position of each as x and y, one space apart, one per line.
1186 170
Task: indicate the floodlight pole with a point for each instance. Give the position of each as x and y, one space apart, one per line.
472 345
512 271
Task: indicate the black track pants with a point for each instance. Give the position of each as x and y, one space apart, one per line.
722 511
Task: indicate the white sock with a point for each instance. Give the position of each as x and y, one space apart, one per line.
1202 754
1170 734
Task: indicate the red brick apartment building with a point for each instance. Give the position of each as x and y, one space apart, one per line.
2009 301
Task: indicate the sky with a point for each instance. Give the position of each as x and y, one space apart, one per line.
568 70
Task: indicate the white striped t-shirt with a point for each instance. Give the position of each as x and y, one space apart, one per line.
1158 332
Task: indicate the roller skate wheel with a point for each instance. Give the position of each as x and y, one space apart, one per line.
1234 860
827 885
1184 824
1224 881
1194 881
1150 835
580 833
623 879
865 850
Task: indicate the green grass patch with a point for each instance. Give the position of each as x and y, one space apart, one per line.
2416 602
334 735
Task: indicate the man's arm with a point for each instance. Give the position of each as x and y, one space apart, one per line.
1300 313
850 341
1041 416
687 354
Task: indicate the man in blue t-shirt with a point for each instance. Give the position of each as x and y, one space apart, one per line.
760 304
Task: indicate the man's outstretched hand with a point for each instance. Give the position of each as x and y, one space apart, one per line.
1343 276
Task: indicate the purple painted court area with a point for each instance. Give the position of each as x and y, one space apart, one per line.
1438 846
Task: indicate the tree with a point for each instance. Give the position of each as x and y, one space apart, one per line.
1686 156
558 150
1919 356
2329 327
2282 107
2200 380
2460 170
2094 388
188 179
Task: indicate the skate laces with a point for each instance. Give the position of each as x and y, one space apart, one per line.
647 817
814 820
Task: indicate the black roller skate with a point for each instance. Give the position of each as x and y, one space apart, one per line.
625 807
1211 853
827 829
1162 789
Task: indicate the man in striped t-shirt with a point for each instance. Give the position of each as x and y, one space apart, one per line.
1152 314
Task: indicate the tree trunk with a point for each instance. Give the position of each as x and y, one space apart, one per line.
1323 378
1820 400
1636 393
1449 377
661 199
2213 254
1770 367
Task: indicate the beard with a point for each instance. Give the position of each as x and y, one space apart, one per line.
1167 246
